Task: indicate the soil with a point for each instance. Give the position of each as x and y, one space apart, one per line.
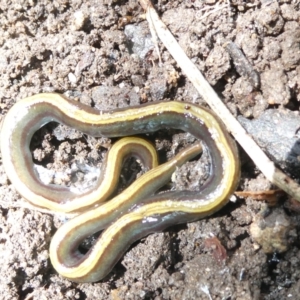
101 53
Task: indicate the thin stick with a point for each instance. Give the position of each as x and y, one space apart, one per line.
261 160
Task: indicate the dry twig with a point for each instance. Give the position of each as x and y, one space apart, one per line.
261 160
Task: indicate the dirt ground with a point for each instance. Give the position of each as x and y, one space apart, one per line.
101 53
